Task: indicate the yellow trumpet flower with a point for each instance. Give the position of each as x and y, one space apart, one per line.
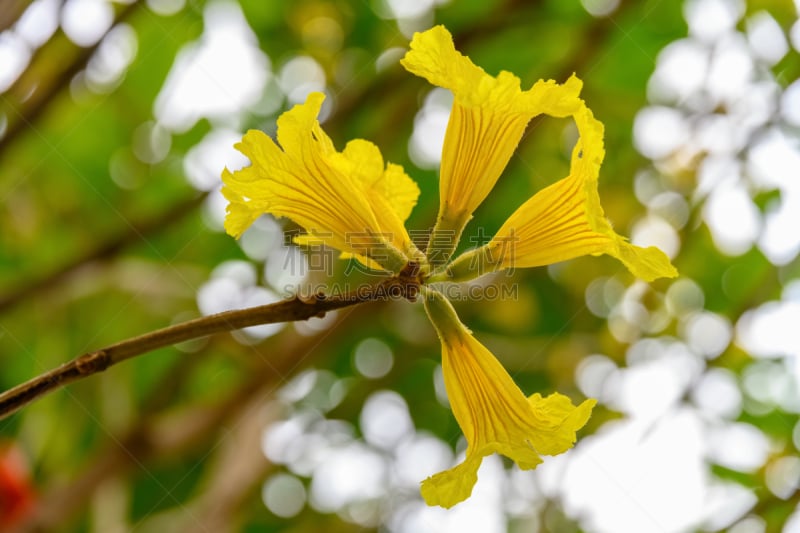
347 200
491 410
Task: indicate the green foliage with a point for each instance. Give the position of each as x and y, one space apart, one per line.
77 210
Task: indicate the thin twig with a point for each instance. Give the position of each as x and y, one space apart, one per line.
290 310
161 434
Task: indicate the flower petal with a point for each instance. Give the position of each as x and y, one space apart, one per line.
345 199
453 486
390 191
491 410
564 419
566 220
433 56
488 119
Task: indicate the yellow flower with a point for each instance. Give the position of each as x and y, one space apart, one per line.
487 121
492 411
347 200
563 221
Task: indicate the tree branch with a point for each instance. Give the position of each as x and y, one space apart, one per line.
290 310
11 12
161 434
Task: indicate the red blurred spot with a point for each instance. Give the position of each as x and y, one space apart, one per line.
16 489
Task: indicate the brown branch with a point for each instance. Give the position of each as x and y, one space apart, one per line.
160 434
11 12
290 310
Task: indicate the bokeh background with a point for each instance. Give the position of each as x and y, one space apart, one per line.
116 119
